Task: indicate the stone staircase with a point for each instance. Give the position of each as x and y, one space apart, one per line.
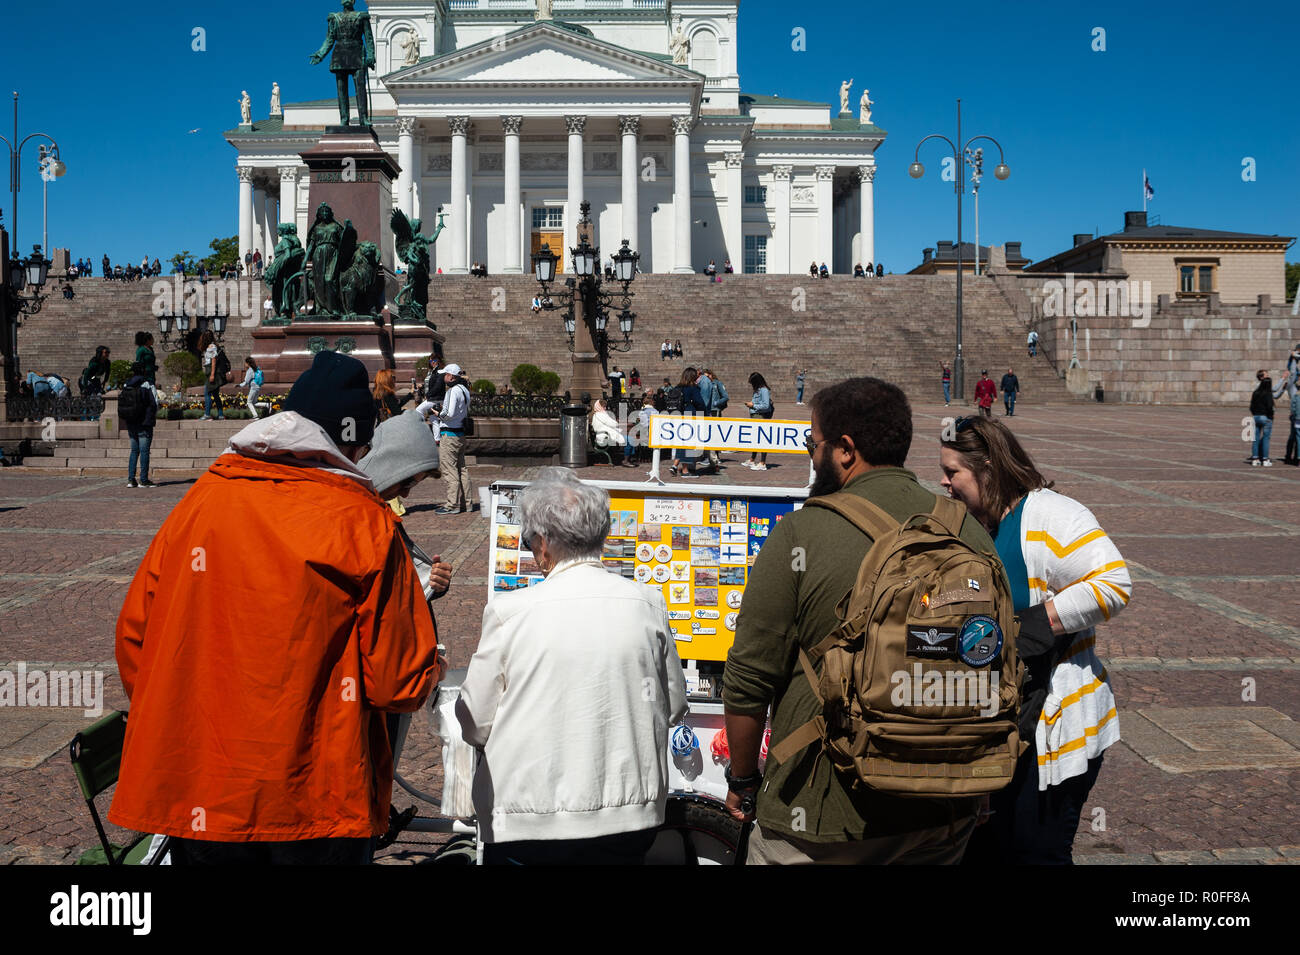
900 328
177 446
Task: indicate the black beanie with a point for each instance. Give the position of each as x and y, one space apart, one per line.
335 393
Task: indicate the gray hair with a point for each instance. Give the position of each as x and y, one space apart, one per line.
572 516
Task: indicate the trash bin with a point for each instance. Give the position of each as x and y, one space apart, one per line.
573 436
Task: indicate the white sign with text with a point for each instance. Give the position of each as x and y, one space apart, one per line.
729 434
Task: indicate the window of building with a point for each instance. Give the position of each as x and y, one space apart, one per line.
755 195
1196 278
755 255
548 217
704 52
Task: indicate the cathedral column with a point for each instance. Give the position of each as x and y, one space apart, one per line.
269 220
629 126
778 259
245 210
288 193
573 203
826 216
867 213
513 261
682 194
459 233
405 160
259 219
733 234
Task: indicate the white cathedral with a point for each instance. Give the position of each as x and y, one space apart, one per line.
507 114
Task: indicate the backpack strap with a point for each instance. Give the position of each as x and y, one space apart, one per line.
949 514
869 518
810 732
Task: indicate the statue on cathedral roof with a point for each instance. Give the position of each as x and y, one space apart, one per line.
410 48
349 34
543 10
864 107
275 100
245 109
844 95
680 46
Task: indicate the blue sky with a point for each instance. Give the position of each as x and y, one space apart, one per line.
1188 91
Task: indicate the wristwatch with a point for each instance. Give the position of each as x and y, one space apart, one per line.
746 787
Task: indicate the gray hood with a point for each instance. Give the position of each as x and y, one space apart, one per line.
402 447
289 438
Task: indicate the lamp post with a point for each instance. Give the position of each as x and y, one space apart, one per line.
959 157
51 167
586 305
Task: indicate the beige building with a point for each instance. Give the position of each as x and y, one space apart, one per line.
1183 263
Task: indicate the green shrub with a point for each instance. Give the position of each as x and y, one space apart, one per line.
483 387
550 383
118 372
526 379
185 367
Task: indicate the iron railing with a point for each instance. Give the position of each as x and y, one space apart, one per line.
27 408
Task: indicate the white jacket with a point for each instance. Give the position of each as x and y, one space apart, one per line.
1071 561
570 695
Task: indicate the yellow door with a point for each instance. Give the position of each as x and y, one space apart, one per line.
556 241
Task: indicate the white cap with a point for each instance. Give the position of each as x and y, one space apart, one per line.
450 370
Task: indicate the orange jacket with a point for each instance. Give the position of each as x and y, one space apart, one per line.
275 615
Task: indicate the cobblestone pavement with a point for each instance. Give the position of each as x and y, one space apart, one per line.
1204 660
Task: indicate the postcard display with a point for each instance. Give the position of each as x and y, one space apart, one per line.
697 546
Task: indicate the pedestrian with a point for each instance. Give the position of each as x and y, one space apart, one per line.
858 273
635 377
253 379
665 350
1033 342
798 386
685 399
807 811
616 384
137 407
248 262
157 267
760 406
824 271
1066 577
211 377
677 349
94 379
1293 439
812 270
708 393
551 788
144 354
450 420
1010 386
947 383
268 307
254 735
257 263
985 392
387 404
871 271
1261 410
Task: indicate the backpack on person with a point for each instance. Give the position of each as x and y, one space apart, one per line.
223 367
920 683
673 400
258 378
131 407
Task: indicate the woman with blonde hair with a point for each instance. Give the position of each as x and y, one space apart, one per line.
1066 577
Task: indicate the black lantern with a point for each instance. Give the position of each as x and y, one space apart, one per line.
584 260
626 320
544 264
625 263
37 268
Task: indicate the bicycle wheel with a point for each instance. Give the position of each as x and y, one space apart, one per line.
697 830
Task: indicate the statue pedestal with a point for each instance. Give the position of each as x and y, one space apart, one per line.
284 352
350 171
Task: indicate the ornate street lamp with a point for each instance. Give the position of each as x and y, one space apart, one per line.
544 264
31 271
960 155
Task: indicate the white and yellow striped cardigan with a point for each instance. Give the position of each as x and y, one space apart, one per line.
1072 562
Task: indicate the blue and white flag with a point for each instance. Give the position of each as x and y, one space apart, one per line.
1147 192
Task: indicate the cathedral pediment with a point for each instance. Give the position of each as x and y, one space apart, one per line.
542 53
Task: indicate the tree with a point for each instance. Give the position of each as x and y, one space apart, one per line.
184 261
526 379
185 367
224 252
1292 280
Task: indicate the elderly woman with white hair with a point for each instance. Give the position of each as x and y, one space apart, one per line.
570 695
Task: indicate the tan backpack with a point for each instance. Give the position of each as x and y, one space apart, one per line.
920 683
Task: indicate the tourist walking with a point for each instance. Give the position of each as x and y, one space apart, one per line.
985 392
255 698
685 399
798 386
1066 577
553 787
1010 388
144 354
947 383
253 383
212 377
1293 438
760 406
1261 410
137 407
451 420
1033 342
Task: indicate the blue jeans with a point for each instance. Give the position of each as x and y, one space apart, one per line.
1009 399
947 392
1263 429
799 399
212 390
140 441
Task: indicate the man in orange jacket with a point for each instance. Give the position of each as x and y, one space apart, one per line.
274 620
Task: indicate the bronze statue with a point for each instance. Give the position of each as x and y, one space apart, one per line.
413 249
361 286
324 241
285 273
354 53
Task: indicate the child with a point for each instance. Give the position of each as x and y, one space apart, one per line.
253 382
